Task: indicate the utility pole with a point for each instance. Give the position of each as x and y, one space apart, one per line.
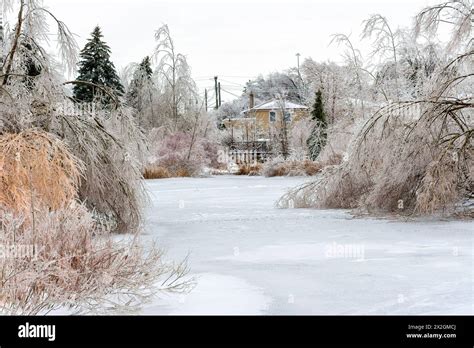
220 99
217 92
301 77
205 98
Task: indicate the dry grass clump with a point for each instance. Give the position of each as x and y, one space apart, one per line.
254 169
36 170
281 167
78 265
184 173
311 168
178 168
156 172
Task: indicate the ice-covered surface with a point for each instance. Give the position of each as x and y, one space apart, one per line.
252 258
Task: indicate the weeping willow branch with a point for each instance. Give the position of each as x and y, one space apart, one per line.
11 54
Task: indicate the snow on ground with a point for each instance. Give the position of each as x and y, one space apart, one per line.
252 258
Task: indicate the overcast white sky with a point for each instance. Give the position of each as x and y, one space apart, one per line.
234 39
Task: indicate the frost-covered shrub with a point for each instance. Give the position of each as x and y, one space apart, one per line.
294 167
273 167
340 135
300 132
66 260
211 148
180 155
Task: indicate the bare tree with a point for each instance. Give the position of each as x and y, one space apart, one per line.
385 43
457 14
175 73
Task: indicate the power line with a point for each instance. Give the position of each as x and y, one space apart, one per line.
235 88
235 95
233 83
229 76
240 77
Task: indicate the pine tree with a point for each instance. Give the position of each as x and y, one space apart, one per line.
96 67
145 68
141 77
318 137
317 114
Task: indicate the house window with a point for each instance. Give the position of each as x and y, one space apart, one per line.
272 116
287 116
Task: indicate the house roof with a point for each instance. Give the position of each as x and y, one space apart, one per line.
276 105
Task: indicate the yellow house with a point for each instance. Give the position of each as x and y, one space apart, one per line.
261 122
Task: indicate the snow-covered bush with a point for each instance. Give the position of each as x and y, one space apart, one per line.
180 155
298 138
340 136
65 260
278 166
211 148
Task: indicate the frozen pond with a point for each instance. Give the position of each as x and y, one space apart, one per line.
252 258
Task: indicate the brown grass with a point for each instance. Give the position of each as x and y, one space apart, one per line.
298 168
182 173
250 169
311 168
156 172
160 172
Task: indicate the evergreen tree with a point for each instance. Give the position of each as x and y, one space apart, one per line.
318 137
141 78
95 67
317 114
145 68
